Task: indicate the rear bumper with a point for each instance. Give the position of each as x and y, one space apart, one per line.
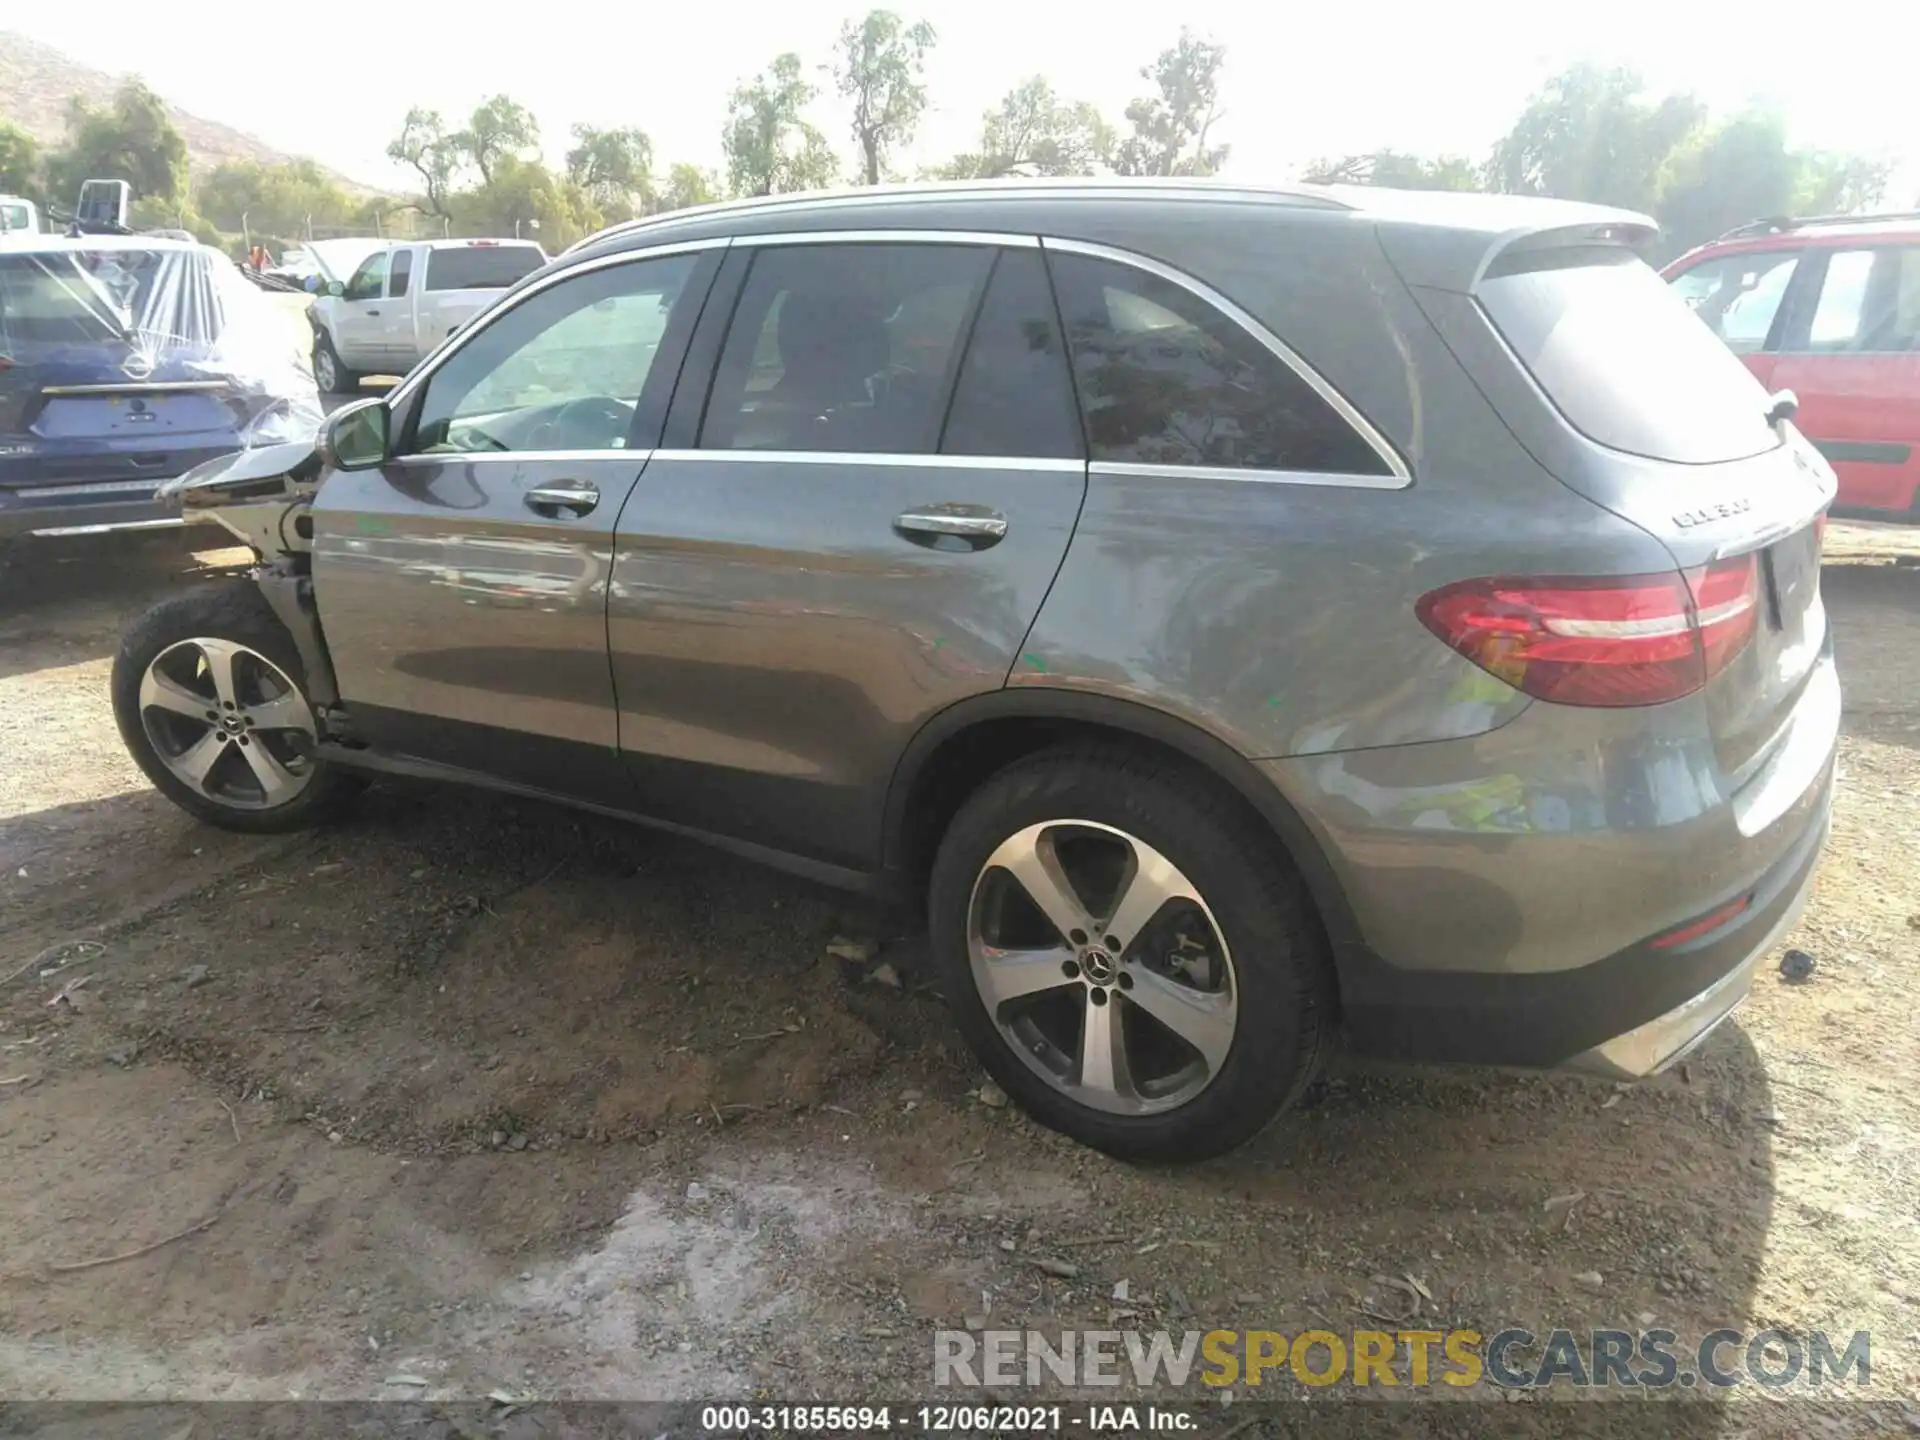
97 499
1506 890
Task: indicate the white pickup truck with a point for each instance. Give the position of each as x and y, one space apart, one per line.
403 300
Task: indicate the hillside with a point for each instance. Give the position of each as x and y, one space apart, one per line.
36 81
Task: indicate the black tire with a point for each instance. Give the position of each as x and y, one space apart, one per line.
237 612
1283 973
344 381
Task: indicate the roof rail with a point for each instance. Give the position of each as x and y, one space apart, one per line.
1780 224
1092 185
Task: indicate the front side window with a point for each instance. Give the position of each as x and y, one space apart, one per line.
368 279
1166 379
562 370
1869 302
1738 296
845 348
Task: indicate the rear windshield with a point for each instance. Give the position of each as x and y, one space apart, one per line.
481 267
13 216
1624 359
91 297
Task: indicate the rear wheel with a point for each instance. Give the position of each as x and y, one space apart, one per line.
330 376
1129 953
211 702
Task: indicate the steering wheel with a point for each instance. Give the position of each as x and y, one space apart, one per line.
607 416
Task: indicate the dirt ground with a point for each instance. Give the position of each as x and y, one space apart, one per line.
479 1094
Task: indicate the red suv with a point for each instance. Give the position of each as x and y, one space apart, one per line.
1829 308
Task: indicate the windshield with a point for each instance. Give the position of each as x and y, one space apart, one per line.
481 267
1624 358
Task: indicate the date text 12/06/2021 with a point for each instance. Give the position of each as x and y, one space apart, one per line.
962 1419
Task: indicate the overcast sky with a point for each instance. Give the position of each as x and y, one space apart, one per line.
1303 79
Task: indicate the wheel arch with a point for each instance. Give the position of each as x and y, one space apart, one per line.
964 743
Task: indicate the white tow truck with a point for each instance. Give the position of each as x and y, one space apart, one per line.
404 299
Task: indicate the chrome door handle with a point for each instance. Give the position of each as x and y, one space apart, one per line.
974 523
576 496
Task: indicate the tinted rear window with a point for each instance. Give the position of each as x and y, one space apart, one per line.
1624 359
481 267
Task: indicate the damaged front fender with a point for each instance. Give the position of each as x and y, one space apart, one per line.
260 495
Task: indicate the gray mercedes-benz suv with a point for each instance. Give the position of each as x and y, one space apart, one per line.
1235 615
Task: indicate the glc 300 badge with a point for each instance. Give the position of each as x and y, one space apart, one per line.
1725 510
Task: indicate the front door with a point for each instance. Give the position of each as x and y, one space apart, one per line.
464 584
1852 358
359 315
856 535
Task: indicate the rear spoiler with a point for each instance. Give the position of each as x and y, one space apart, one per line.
1458 259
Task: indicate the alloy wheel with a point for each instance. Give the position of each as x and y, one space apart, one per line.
1102 967
324 374
228 723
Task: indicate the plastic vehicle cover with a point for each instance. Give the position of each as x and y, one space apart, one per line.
158 315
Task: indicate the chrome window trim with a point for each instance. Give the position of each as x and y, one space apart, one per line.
1127 469
888 237
498 457
454 343
866 457
1399 478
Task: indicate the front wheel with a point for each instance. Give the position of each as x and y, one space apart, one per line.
1129 953
210 699
330 376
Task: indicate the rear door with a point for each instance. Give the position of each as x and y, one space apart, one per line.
397 349
1851 355
853 532
359 324
463 278
464 585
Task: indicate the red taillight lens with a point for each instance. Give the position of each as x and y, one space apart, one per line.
1614 641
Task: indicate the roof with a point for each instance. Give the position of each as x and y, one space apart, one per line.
1442 238
1894 225
17 242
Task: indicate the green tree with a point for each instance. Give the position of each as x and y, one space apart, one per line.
614 166
523 197
19 162
279 200
133 139
1396 170
1592 134
1035 132
499 129
1170 128
424 146
880 66
687 185
1743 169
771 147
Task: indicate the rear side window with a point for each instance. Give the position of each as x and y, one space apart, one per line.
1166 379
847 348
1014 396
480 267
1622 357
1738 296
400 272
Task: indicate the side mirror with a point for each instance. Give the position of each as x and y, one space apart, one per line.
354 437
336 289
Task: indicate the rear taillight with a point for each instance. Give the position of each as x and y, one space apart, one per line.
1626 640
